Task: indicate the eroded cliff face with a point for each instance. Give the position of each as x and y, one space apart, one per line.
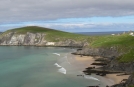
35 39
22 39
103 52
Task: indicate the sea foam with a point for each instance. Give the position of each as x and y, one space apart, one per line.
90 77
57 54
62 70
57 65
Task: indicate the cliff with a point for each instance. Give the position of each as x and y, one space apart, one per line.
38 36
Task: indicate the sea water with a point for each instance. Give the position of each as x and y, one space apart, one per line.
24 66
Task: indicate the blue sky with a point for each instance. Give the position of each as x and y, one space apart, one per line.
93 24
68 15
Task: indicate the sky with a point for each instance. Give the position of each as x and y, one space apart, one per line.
68 15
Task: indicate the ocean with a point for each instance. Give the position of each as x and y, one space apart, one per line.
101 33
28 66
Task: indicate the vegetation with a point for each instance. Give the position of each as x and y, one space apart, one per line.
124 44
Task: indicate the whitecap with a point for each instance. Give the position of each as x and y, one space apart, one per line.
57 54
62 70
57 65
90 77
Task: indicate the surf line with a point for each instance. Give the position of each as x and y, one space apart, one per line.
62 69
90 77
67 60
57 65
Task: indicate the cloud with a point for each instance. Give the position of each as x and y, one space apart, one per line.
31 10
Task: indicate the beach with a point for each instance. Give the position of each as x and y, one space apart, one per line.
86 60
109 79
117 79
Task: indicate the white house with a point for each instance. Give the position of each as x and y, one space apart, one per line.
113 34
131 33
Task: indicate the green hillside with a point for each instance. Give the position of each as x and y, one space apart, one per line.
51 34
124 44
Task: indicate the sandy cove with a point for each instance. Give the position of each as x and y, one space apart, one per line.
109 79
117 79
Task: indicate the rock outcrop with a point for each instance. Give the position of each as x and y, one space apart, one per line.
118 66
12 38
103 52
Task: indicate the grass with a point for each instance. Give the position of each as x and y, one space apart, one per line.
124 44
109 40
32 29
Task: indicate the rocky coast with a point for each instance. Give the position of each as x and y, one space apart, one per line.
120 73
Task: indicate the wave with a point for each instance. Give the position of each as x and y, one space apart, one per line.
90 77
57 65
62 70
57 54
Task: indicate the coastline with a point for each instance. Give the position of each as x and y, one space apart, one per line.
109 79
86 61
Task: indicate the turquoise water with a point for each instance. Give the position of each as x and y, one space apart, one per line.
35 67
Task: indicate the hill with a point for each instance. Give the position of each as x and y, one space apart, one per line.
33 35
51 34
123 43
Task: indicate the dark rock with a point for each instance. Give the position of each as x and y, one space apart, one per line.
104 52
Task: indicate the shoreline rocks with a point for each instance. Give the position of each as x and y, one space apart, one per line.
113 65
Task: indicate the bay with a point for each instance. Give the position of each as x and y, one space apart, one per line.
27 66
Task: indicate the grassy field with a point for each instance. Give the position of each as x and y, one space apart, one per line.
124 42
